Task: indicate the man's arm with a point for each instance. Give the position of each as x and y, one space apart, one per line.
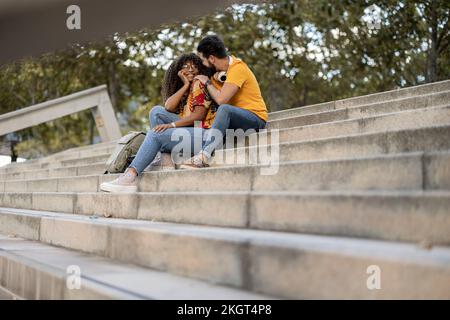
223 95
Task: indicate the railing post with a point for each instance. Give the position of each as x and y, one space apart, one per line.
105 119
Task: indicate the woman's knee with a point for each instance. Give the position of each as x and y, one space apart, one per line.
151 135
156 109
158 136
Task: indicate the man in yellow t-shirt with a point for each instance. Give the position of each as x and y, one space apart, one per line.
241 105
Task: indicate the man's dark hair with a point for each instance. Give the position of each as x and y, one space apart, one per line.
212 45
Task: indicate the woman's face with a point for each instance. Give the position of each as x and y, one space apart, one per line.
190 70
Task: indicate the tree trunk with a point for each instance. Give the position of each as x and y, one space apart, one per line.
305 94
112 85
91 130
432 55
14 154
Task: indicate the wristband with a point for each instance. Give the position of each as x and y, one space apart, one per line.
173 124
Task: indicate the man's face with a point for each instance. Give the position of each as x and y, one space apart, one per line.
209 63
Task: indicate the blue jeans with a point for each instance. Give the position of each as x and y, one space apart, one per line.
230 117
159 115
162 141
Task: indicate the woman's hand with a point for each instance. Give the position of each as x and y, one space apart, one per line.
162 127
184 78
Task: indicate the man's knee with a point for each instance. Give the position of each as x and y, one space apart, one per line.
225 109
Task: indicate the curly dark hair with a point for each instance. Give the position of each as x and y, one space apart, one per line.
172 82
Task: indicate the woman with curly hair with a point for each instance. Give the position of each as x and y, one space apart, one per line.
186 101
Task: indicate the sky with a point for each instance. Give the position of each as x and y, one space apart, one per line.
4 160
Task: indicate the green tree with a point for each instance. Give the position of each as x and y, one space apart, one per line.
302 52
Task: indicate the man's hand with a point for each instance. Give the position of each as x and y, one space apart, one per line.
223 95
202 78
162 127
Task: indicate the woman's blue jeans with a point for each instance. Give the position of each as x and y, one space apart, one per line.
166 140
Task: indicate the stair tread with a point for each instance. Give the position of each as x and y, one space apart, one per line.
395 251
376 94
382 115
294 143
114 278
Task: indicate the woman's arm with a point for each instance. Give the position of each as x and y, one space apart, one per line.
174 100
199 114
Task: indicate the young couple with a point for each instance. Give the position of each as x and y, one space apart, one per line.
191 95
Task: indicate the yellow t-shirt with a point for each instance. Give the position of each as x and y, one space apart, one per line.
249 95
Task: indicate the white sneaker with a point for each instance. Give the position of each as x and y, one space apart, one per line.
125 183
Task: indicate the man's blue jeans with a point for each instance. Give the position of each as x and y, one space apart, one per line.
231 117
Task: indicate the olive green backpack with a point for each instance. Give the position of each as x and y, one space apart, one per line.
124 153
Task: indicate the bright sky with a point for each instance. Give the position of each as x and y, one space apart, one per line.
4 160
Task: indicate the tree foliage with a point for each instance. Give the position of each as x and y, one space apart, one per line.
302 52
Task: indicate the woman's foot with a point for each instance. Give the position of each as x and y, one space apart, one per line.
127 182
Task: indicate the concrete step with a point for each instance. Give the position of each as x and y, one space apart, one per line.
80 170
390 97
7 295
66 161
34 270
357 145
73 153
81 154
408 171
364 119
363 144
96 146
278 264
361 100
410 119
380 123
431 100
85 160
389 215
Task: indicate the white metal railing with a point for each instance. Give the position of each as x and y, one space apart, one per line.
96 99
